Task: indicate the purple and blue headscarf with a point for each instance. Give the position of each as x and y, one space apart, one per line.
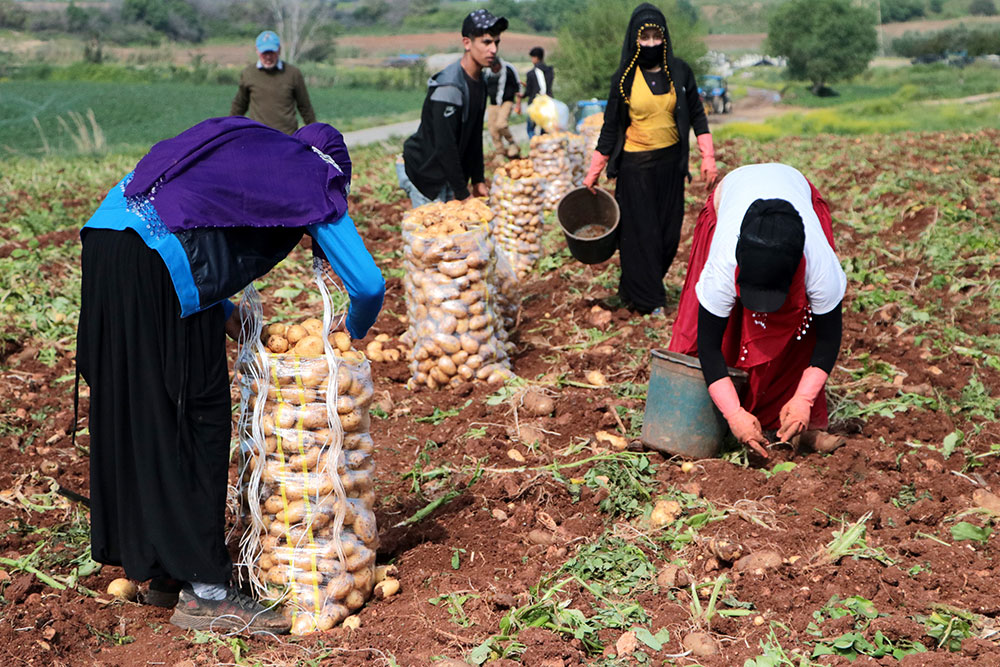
235 172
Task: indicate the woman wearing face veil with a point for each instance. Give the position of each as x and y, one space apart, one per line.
651 109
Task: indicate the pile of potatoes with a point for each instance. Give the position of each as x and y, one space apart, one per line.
517 198
559 158
451 295
305 480
304 339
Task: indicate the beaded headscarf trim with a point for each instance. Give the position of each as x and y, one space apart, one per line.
635 56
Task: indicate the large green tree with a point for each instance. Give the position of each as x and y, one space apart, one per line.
590 44
824 40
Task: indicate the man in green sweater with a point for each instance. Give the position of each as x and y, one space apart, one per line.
272 89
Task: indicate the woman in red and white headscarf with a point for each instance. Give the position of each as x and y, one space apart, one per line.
763 294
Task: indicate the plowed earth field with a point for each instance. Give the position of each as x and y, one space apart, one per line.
884 550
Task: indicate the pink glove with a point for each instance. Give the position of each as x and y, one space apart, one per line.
795 413
598 162
744 425
709 173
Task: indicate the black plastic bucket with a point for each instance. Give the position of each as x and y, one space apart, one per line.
590 223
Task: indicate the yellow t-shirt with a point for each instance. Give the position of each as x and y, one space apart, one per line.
652 117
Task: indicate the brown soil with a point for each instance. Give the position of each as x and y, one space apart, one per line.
793 513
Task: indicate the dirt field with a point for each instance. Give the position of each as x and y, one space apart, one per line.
754 42
915 226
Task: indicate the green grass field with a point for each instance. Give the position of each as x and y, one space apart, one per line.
918 82
136 115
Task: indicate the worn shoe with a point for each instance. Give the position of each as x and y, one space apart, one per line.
236 611
163 592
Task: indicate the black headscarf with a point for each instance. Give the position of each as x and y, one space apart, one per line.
643 16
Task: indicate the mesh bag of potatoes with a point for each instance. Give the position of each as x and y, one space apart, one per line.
508 299
517 198
590 130
451 295
559 158
310 535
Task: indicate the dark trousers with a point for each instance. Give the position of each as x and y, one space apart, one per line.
650 194
159 416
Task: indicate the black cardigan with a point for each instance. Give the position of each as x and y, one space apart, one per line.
617 119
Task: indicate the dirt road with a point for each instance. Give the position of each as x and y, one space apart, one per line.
759 105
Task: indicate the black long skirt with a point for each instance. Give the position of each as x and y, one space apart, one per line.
159 416
650 194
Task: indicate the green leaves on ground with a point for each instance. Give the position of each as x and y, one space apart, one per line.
440 415
852 644
627 481
949 626
964 530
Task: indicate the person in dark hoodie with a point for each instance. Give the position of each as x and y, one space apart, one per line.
652 106
201 216
446 151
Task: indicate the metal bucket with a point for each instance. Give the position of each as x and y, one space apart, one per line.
581 213
680 416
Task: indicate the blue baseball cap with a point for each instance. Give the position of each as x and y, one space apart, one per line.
268 41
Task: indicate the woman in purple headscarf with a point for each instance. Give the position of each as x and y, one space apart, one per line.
201 216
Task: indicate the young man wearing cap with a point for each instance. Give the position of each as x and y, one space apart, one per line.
763 294
538 82
272 89
502 90
446 151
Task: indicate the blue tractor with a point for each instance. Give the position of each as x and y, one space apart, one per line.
715 94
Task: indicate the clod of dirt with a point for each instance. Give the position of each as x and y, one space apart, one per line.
692 488
184 663
499 515
384 402
501 600
986 500
667 576
451 662
700 644
598 317
922 389
664 512
530 434
596 378
726 551
615 442
537 404
626 644
20 588
542 537
758 562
